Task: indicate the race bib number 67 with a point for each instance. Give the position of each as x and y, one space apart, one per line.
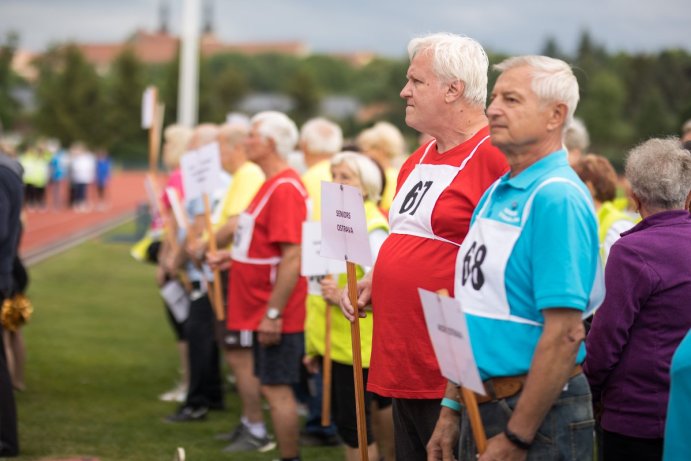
414 198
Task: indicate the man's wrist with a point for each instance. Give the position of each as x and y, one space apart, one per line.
517 440
273 313
451 404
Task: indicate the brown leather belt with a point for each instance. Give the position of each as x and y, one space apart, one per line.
508 386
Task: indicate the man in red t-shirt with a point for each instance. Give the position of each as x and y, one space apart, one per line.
437 190
267 294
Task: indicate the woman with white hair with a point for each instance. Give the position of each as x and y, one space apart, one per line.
645 314
355 170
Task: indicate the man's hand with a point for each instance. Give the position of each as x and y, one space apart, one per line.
195 249
219 260
445 436
330 291
311 363
500 449
269 331
364 288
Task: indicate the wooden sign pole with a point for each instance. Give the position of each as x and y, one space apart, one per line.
217 297
357 364
471 407
326 367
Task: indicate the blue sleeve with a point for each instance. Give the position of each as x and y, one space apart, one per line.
565 247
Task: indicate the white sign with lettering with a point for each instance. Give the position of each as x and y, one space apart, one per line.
344 225
148 107
313 263
201 171
448 332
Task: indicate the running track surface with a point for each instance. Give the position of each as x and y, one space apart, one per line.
51 228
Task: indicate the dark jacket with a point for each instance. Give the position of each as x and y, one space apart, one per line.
11 199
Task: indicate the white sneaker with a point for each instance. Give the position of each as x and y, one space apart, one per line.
176 394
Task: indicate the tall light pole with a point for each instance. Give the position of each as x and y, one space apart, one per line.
188 88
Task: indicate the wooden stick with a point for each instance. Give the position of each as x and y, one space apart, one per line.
357 364
326 367
470 403
475 420
216 287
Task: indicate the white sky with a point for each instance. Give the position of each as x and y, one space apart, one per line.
383 26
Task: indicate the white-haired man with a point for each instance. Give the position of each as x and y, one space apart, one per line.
266 293
438 188
525 274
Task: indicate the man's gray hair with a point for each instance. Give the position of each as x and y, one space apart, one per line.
233 133
553 80
456 57
576 136
321 136
278 127
659 171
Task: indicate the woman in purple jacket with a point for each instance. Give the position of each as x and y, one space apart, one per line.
647 310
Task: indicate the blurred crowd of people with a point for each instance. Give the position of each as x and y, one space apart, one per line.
56 178
574 281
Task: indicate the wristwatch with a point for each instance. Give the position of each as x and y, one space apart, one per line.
273 313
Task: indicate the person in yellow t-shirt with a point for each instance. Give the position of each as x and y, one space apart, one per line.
384 144
320 139
356 170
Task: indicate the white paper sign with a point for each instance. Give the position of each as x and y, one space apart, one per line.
449 334
312 262
177 300
148 106
176 206
201 171
344 225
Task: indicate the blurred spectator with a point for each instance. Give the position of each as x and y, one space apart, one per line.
175 141
11 197
576 140
36 174
645 314
599 175
205 391
103 173
384 144
82 175
58 166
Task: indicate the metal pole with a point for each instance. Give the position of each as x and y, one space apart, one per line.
188 89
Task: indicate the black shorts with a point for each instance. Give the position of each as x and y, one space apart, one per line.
343 403
233 339
279 364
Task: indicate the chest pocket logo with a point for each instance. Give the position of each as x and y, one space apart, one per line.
472 266
414 198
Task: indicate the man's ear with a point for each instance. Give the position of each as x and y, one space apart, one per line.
454 91
557 116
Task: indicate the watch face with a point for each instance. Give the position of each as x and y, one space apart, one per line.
273 313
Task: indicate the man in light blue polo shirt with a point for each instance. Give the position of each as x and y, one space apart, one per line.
525 274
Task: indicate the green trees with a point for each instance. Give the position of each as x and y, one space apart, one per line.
625 98
9 107
70 99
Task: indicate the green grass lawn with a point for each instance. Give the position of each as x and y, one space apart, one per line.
100 351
